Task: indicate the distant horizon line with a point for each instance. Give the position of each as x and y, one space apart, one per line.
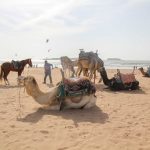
75 58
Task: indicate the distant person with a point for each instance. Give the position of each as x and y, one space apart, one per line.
47 70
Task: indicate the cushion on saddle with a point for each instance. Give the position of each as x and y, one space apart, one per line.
74 81
79 85
127 78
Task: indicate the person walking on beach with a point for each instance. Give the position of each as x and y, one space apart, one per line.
47 70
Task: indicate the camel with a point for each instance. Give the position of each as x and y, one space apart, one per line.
51 101
89 61
120 81
67 63
145 74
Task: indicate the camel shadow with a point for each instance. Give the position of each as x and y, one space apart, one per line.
100 87
138 91
10 86
50 85
93 115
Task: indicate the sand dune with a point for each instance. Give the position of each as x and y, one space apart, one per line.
120 121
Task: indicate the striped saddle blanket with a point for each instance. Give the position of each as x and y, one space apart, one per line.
127 78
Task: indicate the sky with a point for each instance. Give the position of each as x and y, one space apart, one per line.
116 28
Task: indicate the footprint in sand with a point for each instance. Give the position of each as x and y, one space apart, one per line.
4 131
12 126
63 148
3 112
44 131
138 134
26 130
69 127
2 118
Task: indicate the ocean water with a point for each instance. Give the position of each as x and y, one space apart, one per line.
126 64
109 64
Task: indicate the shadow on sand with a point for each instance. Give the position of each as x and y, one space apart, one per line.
93 115
101 87
50 85
10 86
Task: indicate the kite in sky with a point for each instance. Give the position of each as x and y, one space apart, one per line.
47 40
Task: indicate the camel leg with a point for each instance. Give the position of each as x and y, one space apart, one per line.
65 72
91 74
73 71
94 76
85 72
78 72
100 80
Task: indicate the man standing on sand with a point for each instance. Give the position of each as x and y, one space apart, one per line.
47 69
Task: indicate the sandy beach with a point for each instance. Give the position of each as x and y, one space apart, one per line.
120 120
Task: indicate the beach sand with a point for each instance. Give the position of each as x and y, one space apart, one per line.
120 120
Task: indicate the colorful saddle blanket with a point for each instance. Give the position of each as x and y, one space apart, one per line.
76 87
127 78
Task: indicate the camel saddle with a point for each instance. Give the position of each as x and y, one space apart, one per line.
76 87
87 55
127 78
83 55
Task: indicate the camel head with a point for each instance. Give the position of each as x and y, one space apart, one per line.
30 80
30 84
141 69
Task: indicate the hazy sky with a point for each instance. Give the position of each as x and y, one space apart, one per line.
117 28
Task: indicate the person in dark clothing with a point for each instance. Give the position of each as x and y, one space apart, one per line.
47 70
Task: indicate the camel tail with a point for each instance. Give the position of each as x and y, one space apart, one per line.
1 74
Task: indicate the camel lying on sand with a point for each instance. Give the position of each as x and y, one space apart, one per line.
51 99
145 74
120 81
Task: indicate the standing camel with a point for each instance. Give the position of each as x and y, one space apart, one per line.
89 61
67 63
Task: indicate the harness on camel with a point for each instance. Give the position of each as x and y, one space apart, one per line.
73 87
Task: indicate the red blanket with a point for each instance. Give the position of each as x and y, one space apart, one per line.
127 78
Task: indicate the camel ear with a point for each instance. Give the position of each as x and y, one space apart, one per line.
34 81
